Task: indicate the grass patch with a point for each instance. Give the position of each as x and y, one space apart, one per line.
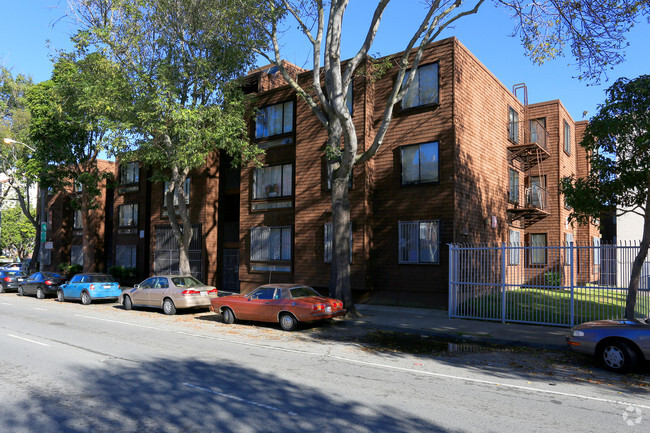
553 305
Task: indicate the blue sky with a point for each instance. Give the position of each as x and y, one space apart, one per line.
27 24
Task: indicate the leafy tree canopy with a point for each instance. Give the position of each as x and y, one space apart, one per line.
17 234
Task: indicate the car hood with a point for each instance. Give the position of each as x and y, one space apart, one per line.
616 323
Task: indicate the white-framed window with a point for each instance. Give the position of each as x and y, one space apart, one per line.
327 247
76 255
273 181
514 238
567 138
596 243
424 87
129 173
271 244
186 189
513 125
537 249
568 240
420 163
274 120
126 255
77 223
419 242
128 215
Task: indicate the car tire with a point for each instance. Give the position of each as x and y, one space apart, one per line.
39 293
618 356
288 322
85 298
168 307
228 316
127 302
60 296
21 292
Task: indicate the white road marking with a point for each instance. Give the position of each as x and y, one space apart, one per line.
242 400
117 321
391 367
40 309
27 339
5 303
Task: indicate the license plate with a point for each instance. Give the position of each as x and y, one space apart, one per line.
328 309
107 286
204 292
20 279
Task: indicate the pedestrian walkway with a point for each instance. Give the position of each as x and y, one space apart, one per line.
436 323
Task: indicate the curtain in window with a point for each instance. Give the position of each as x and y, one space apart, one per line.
429 162
568 238
538 249
408 242
270 243
288 117
260 243
410 164
429 242
514 125
515 239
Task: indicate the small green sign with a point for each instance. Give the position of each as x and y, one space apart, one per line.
43 232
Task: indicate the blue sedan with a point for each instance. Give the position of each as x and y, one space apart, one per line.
88 287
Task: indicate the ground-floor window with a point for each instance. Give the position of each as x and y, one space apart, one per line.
538 245
76 255
419 242
126 256
329 237
270 246
515 243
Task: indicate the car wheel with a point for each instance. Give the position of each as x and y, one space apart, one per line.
288 322
20 291
228 316
168 307
60 296
40 294
618 356
127 303
85 298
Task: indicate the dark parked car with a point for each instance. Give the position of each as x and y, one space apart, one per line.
9 279
621 345
41 284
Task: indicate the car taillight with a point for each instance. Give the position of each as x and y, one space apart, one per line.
212 292
7 279
48 283
319 307
92 287
190 292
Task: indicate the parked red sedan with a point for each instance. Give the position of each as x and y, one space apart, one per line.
287 304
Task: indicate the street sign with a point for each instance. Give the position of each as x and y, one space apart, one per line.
49 245
43 232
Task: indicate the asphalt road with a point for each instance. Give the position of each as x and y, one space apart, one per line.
98 368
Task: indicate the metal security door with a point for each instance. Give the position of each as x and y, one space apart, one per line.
166 252
230 270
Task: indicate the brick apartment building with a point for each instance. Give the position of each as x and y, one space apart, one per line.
464 160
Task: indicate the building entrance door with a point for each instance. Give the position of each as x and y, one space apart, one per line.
230 270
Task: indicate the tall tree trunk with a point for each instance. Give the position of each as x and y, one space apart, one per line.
340 286
637 267
32 219
88 247
183 231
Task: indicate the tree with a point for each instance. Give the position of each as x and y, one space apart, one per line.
593 29
617 141
74 119
180 57
18 233
14 123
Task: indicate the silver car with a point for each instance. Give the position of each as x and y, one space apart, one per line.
169 292
621 345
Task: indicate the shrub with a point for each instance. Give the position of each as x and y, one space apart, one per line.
553 279
69 270
121 273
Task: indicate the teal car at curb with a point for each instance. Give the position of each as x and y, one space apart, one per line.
89 287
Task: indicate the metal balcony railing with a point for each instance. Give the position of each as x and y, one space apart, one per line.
528 132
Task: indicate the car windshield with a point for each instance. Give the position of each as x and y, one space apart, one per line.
16 273
51 275
102 279
186 282
303 292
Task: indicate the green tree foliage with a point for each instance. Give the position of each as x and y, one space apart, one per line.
18 233
75 117
617 141
180 58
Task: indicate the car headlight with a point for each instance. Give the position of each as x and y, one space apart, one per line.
577 333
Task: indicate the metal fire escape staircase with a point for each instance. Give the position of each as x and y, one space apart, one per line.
531 153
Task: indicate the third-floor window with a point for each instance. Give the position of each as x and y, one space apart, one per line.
513 125
129 173
424 87
186 189
567 138
274 120
128 215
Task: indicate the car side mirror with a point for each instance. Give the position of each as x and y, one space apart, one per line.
137 286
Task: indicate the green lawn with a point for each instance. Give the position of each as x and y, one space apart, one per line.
554 306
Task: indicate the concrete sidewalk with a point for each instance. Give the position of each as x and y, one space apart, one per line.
436 323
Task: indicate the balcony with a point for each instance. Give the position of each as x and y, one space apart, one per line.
534 147
534 207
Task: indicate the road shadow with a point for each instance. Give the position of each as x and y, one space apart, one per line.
166 395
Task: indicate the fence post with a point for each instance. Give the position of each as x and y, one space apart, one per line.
571 281
503 283
452 295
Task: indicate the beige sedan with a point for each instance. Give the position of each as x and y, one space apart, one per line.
169 292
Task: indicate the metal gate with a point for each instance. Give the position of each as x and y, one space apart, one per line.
231 270
166 251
